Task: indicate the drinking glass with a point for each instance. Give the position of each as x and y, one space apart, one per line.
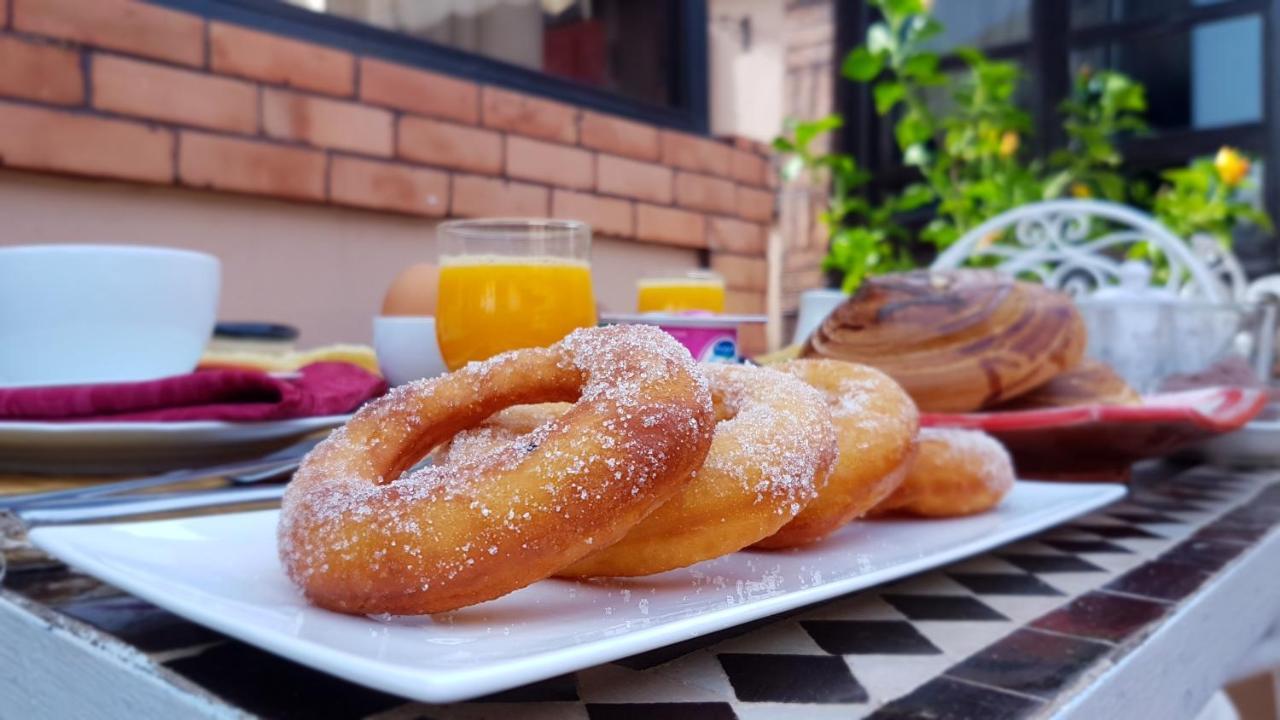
680 292
507 284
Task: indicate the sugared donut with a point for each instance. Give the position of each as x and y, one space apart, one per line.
956 472
501 428
876 423
360 535
773 444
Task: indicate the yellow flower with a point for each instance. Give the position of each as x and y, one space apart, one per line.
988 240
1080 190
926 5
1231 166
1008 143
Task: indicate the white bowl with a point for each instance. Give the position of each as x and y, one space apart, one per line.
407 348
1150 341
103 313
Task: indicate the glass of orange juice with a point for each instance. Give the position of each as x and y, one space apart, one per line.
507 284
680 292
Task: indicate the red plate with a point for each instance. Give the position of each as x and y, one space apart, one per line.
1100 442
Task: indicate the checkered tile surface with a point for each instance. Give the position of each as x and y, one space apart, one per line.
996 636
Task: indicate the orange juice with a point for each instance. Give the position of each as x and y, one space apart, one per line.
678 294
491 304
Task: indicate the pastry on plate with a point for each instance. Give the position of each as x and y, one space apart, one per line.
1092 382
957 340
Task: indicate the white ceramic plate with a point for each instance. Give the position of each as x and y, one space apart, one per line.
128 447
221 571
1257 444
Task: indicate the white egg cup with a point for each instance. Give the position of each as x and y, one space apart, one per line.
407 348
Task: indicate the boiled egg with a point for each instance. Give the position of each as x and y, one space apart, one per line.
413 291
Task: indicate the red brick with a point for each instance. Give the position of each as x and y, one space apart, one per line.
450 145
549 163
4 13
419 91
696 153
159 92
703 192
607 216
388 186
326 123
741 272
249 166
749 168
620 137
755 204
525 115
45 73
475 196
235 50
736 236
634 179
670 226
134 27
57 141
745 302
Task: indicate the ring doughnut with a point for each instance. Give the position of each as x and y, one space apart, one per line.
360 535
773 444
501 428
876 424
956 472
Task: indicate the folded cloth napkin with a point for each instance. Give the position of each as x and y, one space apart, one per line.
325 388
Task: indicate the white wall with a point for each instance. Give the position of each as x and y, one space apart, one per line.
747 81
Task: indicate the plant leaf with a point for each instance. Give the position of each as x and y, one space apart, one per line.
888 93
862 65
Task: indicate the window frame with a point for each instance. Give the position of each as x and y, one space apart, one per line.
1046 54
689 112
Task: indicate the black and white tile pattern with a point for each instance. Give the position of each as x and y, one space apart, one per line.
1003 635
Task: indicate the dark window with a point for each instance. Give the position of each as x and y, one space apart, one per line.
645 59
999 22
1207 76
617 45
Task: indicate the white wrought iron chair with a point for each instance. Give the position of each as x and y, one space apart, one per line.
1078 246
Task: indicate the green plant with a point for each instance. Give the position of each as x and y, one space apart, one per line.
863 237
1203 198
1102 106
965 135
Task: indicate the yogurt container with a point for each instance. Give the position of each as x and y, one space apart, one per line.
709 337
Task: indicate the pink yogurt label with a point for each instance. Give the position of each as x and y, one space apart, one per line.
708 344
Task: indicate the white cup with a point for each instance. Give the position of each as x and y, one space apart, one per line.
103 313
407 348
815 306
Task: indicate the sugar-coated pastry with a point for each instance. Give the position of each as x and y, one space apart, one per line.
956 472
358 534
774 445
876 424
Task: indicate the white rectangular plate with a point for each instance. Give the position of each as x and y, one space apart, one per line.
221 571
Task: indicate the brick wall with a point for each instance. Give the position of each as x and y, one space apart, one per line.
129 91
810 38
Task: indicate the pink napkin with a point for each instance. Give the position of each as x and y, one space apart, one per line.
326 388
